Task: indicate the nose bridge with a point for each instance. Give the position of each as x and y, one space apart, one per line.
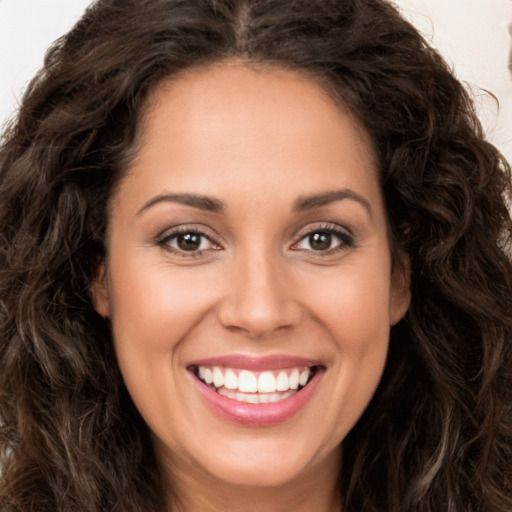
258 300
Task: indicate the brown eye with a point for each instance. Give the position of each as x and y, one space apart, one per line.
188 241
325 241
320 241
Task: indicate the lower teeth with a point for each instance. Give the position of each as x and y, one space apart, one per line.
254 398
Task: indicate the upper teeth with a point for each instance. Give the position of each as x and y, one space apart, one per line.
247 381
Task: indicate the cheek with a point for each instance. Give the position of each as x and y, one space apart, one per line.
353 305
155 307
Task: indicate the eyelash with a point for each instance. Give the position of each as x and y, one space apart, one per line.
346 239
164 241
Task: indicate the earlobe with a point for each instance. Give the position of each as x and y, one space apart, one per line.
400 289
99 292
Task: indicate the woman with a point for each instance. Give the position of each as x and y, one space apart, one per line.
255 257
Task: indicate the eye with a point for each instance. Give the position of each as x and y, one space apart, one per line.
325 240
187 241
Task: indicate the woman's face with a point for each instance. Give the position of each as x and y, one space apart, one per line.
248 276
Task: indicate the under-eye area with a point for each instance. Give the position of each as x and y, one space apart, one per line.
255 387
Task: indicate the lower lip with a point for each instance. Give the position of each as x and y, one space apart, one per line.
258 414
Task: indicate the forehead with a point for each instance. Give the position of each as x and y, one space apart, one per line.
234 126
248 93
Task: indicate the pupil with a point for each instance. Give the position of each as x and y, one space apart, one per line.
320 241
189 241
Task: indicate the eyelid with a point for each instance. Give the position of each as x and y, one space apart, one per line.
343 233
323 226
163 238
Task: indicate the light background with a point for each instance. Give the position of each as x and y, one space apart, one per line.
471 34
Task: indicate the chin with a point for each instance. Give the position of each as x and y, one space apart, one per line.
266 472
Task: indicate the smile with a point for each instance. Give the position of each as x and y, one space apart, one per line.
256 392
255 387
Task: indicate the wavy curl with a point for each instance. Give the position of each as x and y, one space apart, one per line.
438 432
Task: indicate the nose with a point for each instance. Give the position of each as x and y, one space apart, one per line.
259 300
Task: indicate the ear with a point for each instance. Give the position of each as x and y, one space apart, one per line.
400 288
99 292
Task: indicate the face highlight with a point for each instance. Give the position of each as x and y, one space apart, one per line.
248 277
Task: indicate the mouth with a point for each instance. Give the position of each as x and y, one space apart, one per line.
255 387
256 392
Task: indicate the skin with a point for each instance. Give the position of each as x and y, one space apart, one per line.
258 140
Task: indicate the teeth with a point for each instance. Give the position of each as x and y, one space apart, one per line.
266 382
304 376
230 380
254 398
269 384
227 392
218 377
264 398
247 382
282 381
206 374
294 379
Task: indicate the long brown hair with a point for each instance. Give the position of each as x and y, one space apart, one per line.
438 432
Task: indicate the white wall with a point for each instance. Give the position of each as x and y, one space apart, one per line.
472 34
27 27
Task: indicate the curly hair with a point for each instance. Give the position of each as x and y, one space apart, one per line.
437 435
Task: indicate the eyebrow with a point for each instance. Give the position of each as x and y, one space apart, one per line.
196 201
301 204
325 198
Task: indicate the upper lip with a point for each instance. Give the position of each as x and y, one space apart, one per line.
255 363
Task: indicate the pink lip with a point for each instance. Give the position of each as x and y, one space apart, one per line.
241 361
258 415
